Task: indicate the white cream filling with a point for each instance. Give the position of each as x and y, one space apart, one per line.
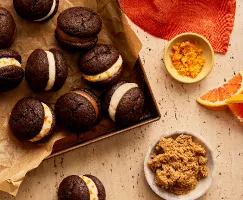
107 74
52 70
117 96
49 14
9 61
46 127
93 191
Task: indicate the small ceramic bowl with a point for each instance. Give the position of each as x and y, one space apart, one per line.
208 54
202 186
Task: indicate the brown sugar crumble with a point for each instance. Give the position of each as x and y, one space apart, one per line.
178 164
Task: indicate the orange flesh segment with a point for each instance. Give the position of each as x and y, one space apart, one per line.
223 94
237 109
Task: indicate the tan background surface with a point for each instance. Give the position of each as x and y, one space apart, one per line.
118 161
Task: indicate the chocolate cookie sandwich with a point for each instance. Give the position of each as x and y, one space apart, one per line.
86 187
77 28
7 30
46 70
124 103
36 10
32 120
102 65
78 110
11 73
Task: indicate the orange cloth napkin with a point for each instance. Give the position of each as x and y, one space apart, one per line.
213 19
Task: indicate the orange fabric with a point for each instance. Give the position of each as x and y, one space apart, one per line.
213 19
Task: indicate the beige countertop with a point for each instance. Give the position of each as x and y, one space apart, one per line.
118 161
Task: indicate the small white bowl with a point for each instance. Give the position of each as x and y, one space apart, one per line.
202 186
208 54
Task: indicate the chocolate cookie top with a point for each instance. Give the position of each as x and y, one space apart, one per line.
27 118
8 53
100 187
73 188
98 59
37 70
130 107
80 22
36 9
7 28
78 110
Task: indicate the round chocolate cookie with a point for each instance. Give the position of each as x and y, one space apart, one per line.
86 187
102 65
11 73
78 110
32 120
124 103
36 10
46 70
7 28
77 28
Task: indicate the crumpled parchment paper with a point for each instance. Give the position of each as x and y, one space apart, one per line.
17 158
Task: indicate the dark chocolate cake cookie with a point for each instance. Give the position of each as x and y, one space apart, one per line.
32 120
36 10
46 70
78 110
86 187
124 103
102 65
7 28
77 28
11 73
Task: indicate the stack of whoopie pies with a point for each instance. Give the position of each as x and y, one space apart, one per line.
101 66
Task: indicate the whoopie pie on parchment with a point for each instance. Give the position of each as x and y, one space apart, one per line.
124 103
32 120
77 28
7 28
46 70
102 65
86 187
78 110
36 10
11 72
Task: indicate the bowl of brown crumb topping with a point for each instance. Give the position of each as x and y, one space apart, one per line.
179 166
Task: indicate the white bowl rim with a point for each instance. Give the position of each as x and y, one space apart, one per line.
171 133
188 34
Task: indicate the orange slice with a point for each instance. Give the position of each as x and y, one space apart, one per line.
216 99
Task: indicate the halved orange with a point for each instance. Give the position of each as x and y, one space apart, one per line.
216 99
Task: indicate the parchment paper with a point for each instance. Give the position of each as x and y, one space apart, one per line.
17 158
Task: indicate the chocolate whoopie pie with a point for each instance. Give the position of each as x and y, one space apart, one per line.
124 103
7 28
102 65
78 110
86 187
77 28
46 70
36 10
32 120
11 73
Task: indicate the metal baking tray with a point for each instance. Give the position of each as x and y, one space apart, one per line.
106 128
